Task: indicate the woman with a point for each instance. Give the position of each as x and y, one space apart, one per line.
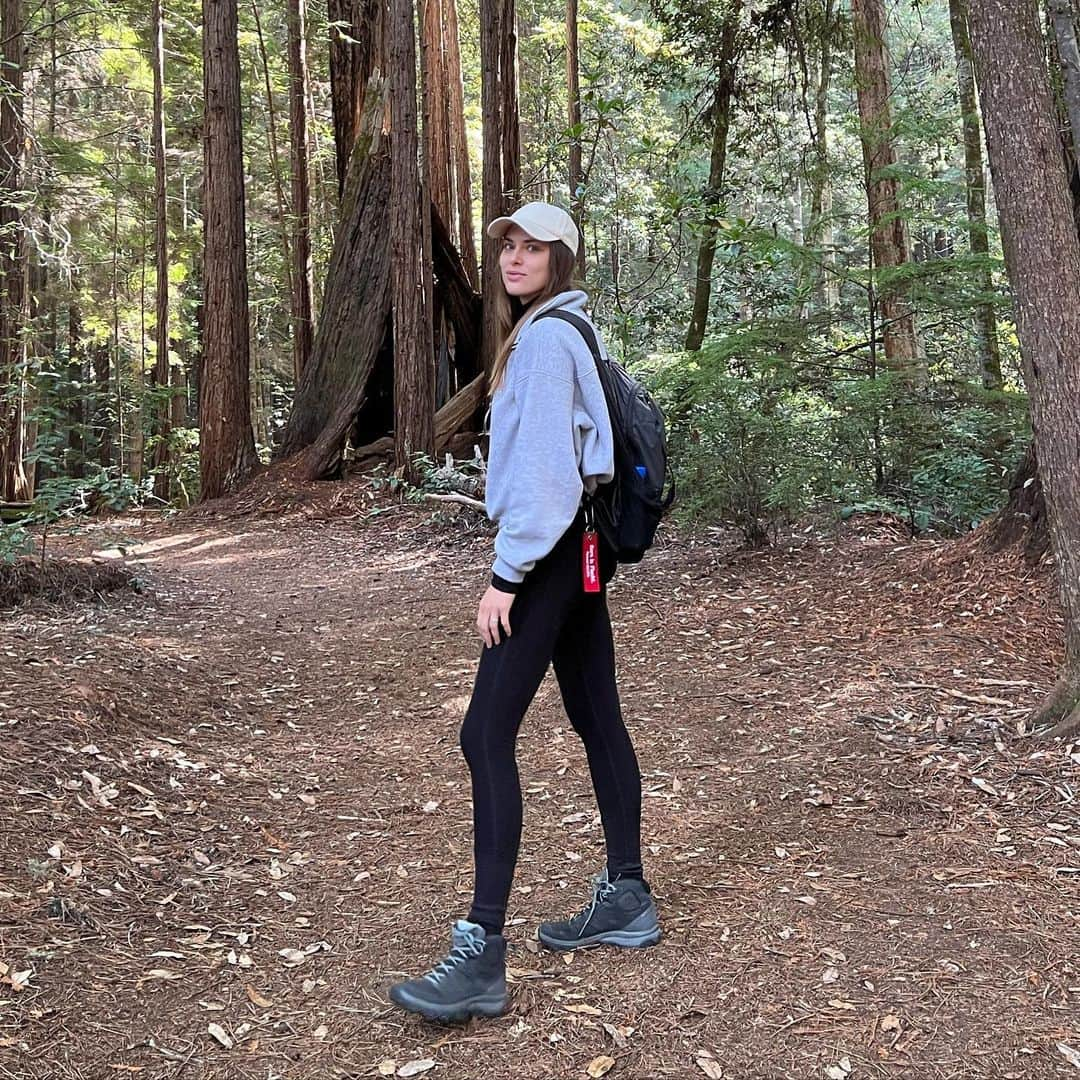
551 443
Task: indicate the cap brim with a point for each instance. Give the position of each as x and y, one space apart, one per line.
501 226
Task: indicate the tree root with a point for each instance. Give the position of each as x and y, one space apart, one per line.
1060 711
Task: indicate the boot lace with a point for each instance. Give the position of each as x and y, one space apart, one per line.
601 890
464 948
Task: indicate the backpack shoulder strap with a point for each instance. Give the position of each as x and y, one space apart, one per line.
583 328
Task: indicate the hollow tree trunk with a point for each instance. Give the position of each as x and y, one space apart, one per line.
1042 255
355 306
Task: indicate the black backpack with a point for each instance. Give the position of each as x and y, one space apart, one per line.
628 509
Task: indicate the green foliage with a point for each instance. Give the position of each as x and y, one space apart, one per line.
758 440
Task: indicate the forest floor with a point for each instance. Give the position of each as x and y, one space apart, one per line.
235 811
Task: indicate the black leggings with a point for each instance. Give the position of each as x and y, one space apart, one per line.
553 621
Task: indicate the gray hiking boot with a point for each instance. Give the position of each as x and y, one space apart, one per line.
621 913
471 981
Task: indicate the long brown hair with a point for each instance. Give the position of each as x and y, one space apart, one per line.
510 314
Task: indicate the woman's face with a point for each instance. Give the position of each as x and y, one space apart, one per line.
525 264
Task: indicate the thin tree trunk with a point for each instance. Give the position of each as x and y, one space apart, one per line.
820 232
573 102
498 106
226 441
275 157
14 485
163 425
986 336
459 147
77 381
888 233
1042 255
436 97
721 121
414 385
302 322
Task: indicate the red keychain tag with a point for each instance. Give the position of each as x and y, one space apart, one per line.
590 561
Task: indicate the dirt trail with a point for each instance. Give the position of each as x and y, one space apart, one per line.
235 811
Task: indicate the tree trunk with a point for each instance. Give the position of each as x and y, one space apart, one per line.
414 383
301 188
77 381
888 235
226 442
820 231
356 302
573 102
163 425
1042 254
459 147
985 320
357 50
14 484
721 121
498 106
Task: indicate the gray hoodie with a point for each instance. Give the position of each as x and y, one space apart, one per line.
550 439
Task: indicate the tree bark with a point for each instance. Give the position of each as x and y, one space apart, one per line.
573 101
498 106
820 231
462 232
163 426
721 121
986 336
1042 254
302 322
414 373
14 484
226 441
357 50
356 302
888 233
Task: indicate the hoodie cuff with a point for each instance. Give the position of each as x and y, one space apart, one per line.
507 572
503 585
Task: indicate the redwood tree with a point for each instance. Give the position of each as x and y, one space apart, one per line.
414 373
161 252
1042 255
888 233
14 484
302 321
226 441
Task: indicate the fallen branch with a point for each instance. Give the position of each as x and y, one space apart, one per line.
475 504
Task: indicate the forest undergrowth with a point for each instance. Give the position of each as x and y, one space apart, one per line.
236 811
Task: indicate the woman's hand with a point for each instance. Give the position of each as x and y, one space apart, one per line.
494 613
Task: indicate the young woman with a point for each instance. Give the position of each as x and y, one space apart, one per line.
551 443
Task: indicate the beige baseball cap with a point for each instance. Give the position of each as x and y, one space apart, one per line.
542 221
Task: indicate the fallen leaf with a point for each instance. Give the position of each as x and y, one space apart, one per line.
840 1071
1069 1054
830 975
321 1032
890 1023
600 1066
430 807
619 1034
415 1068
708 1064
257 999
387 1067
221 1035
588 1010
833 955
293 957
307 800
